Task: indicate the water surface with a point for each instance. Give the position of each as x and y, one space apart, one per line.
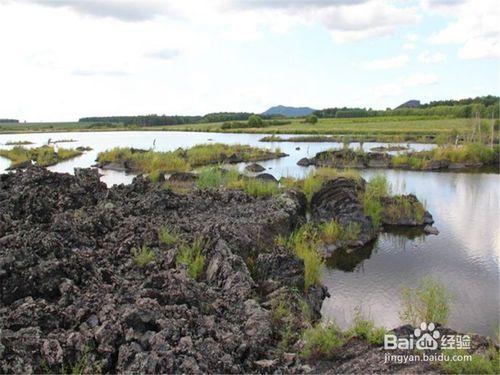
465 206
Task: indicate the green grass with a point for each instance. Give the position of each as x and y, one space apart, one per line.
486 363
303 243
365 328
332 232
260 188
168 236
428 302
43 156
143 256
321 340
192 257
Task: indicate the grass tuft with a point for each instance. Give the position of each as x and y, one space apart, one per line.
168 236
192 257
321 340
143 256
428 302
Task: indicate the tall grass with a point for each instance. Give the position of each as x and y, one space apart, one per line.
377 188
428 302
303 242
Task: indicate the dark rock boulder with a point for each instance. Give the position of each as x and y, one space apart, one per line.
254 167
305 162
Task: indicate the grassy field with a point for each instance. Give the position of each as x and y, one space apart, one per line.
401 128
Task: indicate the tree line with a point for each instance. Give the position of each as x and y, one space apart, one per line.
8 121
482 106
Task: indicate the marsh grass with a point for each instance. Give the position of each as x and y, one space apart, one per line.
321 340
192 257
180 160
428 302
143 256
43 156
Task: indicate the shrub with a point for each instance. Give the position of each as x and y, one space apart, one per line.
311 119
191 256
321 340
143 256
167 236
428 302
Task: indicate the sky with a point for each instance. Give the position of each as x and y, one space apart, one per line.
66 59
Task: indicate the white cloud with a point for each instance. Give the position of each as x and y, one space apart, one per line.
475 28
404 86
408 46
389 63
427 57
420 79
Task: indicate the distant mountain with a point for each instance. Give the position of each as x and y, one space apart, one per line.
288 111
410 104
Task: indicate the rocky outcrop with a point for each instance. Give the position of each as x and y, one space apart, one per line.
72 295
338 200
347 158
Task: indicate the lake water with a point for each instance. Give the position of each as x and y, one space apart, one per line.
464 256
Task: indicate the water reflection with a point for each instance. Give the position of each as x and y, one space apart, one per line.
464 256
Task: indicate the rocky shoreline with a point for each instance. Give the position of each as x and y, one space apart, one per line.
347 158
74 295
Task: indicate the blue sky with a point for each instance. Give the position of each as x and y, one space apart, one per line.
68 59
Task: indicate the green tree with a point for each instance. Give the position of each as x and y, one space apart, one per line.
255 121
